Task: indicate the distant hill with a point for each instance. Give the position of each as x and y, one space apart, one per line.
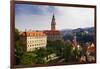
66 31
68 34
71 31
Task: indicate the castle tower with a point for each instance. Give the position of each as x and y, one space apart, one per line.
53 23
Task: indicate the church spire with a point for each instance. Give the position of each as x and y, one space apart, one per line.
53 23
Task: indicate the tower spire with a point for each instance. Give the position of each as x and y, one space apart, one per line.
53 23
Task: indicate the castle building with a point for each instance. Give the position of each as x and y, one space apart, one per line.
53 34
33 40
36 39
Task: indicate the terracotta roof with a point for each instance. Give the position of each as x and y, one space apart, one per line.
91 49
52 32
33 33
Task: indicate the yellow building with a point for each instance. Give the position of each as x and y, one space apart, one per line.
34 40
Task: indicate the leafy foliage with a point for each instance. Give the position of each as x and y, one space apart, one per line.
60 48
28 58
68 37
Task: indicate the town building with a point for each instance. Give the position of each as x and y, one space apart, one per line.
33 40
91 51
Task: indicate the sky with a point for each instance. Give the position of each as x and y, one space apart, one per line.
38 17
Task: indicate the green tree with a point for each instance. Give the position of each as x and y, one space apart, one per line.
68 37
28 58
67 52
18 51
56 46
17 36
19 47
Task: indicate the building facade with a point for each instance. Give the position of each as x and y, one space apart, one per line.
53 35
34 40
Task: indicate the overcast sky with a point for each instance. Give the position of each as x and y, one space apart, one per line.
38 17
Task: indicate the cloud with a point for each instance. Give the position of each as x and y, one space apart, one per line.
73 17
38 17
33 9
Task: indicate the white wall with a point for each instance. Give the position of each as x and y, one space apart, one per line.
5 35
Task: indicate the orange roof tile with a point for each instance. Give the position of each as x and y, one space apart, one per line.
33 33
92 49
52 32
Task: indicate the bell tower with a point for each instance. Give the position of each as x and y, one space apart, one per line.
53 23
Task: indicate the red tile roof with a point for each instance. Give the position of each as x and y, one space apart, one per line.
40 33
33 33
91 49
52 32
